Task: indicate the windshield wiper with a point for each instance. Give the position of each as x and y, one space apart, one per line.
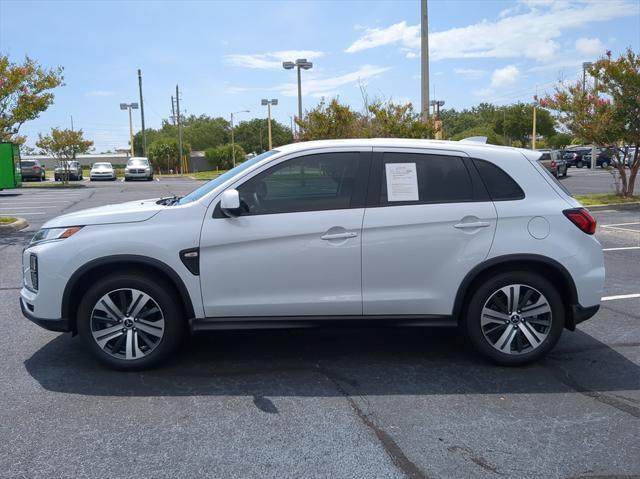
169 200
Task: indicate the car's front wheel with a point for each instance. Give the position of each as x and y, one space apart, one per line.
515 317
130 322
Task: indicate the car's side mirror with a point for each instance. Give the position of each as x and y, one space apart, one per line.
230 203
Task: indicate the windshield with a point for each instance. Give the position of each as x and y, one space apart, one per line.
211 185
137 162
102 165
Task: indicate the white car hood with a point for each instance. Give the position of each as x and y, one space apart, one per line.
129 212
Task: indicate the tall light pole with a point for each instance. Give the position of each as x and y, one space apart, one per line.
424 58
533 134
436 104
130 106
268 103
233 147
300 63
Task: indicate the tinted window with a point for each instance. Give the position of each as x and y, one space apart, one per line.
499 185
28 163
311 183
440 179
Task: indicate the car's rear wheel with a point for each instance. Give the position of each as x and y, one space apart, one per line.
130 322
605 164
515 317
579 164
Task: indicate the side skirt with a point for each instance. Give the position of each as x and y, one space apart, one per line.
288 322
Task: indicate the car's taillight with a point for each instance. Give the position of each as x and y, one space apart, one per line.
582 219
553 163
37 168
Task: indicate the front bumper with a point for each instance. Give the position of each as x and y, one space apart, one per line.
58 325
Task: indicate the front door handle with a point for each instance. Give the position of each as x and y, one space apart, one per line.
335 236
475 224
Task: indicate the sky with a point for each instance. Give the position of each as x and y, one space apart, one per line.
227 56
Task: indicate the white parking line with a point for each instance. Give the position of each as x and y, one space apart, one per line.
616 228
623 248
620 296
621 224
26 207
23 213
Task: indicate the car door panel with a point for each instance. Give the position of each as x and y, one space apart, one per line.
271 262
414 256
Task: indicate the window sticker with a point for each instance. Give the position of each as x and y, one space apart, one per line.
402 182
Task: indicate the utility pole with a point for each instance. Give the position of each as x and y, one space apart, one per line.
424 56
173 111
533 136
144 134
179 122
438 122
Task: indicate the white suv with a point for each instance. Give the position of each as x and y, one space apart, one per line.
384 231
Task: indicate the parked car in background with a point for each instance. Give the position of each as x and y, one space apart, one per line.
138 168
367 232
32 170
71 168
102 171
553 162
575 157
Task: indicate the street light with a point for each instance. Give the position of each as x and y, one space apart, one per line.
268 103
438 123
233 148
300 63
585 65
130 106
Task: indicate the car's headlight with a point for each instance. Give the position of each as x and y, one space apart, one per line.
51 234
147 169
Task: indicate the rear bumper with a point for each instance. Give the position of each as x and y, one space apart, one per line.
57 325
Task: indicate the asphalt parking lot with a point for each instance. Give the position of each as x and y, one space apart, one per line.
339 403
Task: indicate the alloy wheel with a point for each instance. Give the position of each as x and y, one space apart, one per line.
127 324
516 319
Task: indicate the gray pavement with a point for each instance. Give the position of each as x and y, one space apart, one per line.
338 403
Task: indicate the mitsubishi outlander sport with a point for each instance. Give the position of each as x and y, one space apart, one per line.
372 231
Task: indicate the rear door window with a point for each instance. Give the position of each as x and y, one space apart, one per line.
415 178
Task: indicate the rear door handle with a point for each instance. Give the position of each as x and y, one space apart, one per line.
335 236
475 224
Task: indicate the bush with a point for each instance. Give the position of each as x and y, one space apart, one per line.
492 137
221 157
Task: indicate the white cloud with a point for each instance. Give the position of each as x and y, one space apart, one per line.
500 79
406 35
317 87
100 93
469 73
272 60
590 46
532 33
411 54
503 77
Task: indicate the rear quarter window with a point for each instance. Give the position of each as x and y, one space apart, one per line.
500 186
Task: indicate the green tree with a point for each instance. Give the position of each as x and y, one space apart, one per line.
222 157
607 113
63 145
492 137
330 121
559 140
164 153
24 94
393 120
253 135
516 122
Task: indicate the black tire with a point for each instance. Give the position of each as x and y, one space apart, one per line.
579 164
604 164
564 173
162 293
485 291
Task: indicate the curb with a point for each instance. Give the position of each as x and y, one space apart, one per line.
18 225
52 187
614 206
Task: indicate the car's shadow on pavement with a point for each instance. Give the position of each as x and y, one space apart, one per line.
331 362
